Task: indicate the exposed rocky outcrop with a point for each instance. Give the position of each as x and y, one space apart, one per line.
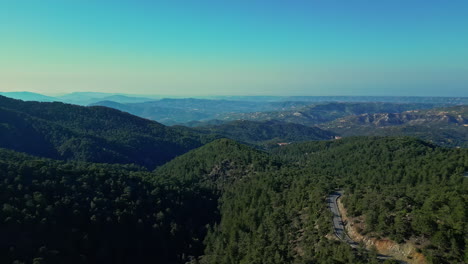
405 252
448 116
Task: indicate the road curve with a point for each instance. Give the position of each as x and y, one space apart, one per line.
338 224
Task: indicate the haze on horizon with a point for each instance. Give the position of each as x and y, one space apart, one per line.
207 47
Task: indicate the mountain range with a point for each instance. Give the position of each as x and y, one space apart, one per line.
97 185
266 133
86 98
174 111
97 134
444 126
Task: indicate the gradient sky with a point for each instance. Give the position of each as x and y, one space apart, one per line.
238 47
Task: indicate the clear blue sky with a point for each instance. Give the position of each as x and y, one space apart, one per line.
238 47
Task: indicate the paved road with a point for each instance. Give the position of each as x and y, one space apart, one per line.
337 220
338 224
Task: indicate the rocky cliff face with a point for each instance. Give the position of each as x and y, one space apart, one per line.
405 252
449 116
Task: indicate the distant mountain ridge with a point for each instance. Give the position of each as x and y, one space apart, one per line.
85 98
29 96
266 133
88 98
445 126
451 115
325 112
96 134
173 111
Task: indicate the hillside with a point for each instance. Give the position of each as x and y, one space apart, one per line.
266 133
28 96
269 212
75 212
397 188
57 212
218 202
325 112
437 100
228 203
218 164
173 111
152 110
96 134
444 126
211 122
88 98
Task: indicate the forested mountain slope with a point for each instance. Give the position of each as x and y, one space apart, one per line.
75 212
402 188
96 134
218 164
226 202
266 133
270 212
57 212
406 188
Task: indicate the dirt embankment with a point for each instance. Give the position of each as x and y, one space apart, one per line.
406 252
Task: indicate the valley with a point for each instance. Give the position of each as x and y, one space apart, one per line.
233 132
80 179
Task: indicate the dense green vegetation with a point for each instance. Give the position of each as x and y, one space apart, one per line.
95 134
277 217
270 212
223 202
228 203
218 165
56 212
404 189
267 133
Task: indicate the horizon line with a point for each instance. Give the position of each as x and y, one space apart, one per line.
221 95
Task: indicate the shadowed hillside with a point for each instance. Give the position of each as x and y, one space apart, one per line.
96 134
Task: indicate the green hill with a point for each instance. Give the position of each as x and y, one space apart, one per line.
57 212
96 134
220 202
397 187
218 164
75 212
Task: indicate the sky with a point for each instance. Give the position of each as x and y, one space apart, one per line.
235 47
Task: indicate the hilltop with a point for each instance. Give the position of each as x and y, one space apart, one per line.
96 134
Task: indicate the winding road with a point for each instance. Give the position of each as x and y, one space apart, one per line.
338 224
